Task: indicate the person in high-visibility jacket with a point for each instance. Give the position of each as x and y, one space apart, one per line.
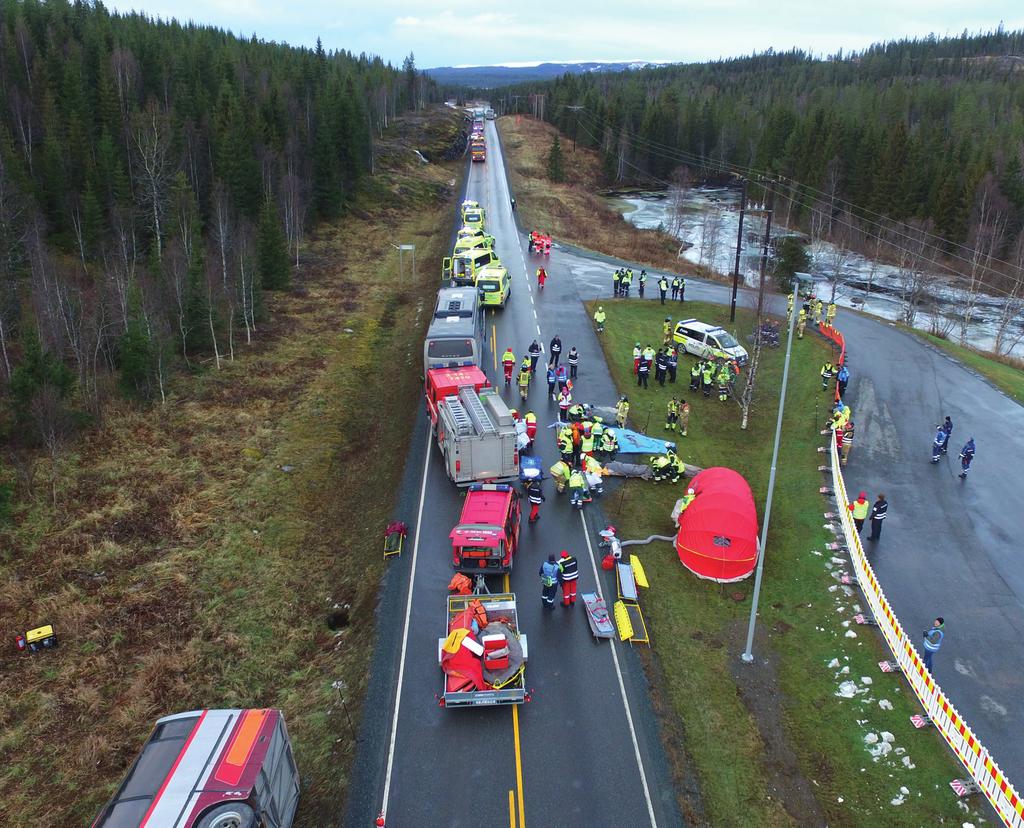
801 323
577 486
526 364
637 354
828 371
570 575
724 378
672 414
621 411
860 508
594 472
830 314
616 276
707 376
587 441
686 500
531 425
535 492
565 447
666 331
564 401
524 380
684 417
789 306
661 465
599 317
508 362
818 304
598 430
560 474
549 574
676 467
663 288
695 372
609 444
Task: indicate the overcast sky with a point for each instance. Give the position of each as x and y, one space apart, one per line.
485 32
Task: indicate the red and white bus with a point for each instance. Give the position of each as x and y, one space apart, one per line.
210 769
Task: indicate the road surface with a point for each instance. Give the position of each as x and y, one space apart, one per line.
586 750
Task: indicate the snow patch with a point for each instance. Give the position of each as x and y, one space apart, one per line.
833 664
866 680
887 736
885 704
851 634
847 690
907 763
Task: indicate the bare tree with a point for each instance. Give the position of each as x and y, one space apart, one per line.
53 423
246 279
987 240
710 236
12 258
912 259
682 182
1010 321
151 148
295 200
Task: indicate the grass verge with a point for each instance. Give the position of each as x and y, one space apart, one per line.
199 548
772 743
1006 373
573 211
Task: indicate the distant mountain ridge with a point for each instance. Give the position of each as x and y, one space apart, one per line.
488 77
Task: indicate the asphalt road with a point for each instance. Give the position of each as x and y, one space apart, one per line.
589 751
948 547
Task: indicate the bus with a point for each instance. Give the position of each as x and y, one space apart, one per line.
453 338
209 769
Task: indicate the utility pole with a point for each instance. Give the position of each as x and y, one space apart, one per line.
769 208
576 125
739 246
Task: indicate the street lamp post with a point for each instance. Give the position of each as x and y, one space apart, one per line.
748 655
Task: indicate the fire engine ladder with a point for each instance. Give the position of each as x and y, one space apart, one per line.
476 411
459 415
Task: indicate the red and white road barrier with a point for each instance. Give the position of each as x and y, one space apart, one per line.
941 713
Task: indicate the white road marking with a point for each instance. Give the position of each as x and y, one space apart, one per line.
538 331
405 633
622 686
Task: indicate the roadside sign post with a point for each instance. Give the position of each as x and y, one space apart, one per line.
402 248
748 655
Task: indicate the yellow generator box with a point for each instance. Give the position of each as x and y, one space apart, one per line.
41 638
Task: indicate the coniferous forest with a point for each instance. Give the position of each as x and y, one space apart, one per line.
926 134
155 179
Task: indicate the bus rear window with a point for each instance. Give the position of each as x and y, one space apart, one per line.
488 286
449 348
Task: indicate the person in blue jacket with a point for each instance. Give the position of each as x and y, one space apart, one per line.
966 456
549 572
933 641
938 443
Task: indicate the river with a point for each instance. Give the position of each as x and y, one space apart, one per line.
707 222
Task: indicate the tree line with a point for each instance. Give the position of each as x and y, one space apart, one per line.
912 149
155 179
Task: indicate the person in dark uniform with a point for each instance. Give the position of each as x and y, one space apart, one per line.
878 513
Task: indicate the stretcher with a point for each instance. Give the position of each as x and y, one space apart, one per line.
597 615
394 538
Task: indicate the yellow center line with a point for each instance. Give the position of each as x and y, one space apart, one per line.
511 810
494 351
515 737
519 765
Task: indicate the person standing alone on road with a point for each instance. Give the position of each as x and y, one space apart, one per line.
536 494
860 508
933 641
574 362
878 513
555 348
599 317
663 288
549 572
966 456
570 574
642 282
534 356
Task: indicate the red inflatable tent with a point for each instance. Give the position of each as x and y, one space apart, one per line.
717 537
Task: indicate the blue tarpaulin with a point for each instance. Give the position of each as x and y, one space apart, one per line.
633 442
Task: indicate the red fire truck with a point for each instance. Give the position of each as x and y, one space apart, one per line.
446 382
210 769
487 536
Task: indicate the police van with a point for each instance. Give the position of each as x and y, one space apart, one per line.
453 338
709 341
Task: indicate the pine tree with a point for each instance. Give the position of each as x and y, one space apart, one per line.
38 372
136 354
196 306
272 250
556 164
790 258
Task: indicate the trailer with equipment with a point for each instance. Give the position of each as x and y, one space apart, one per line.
483 655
